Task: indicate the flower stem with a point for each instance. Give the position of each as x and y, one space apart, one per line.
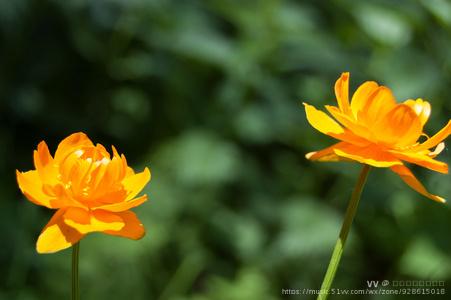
75 283
339 245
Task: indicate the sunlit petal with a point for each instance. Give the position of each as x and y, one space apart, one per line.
371 103
421 108
31 186
400 127
42 156
71 143
359 130
56 235
133 228
440 147
407 176
325 124
370 155
91 221
135 183
326 154
342 92
361 95
435 139
122 206
422 160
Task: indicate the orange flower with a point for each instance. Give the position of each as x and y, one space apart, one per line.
373 129
91 191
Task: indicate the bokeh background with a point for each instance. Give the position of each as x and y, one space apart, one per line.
208 95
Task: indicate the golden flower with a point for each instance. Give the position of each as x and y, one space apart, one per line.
91 191
373 129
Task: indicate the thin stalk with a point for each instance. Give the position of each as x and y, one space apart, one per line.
75 283
340 244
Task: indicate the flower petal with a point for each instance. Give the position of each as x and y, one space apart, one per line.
326 154
440 147
342 92
422 160
421 108
436 139
363 135
43 162
73 142
407 176
321 121
91 221
42 156
135 183
133 228
106 182
361 95
122 206
325 124
400 127
371 102
56 235
31 186
371 155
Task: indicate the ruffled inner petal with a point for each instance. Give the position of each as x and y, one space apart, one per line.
401 127
72 143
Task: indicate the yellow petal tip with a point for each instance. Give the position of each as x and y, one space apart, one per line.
440 199
309 155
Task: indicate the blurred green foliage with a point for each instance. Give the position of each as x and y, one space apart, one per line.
208 94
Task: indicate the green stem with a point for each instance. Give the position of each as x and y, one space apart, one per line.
75 283
339 245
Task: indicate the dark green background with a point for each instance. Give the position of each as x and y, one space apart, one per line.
208 95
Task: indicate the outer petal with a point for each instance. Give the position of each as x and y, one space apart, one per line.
56 235
371 155
342 92
407 176
436 139
133 228
347 121
31 186
135 183
71 143
422 160
325 124
91 221
122 206
326 154
321 121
